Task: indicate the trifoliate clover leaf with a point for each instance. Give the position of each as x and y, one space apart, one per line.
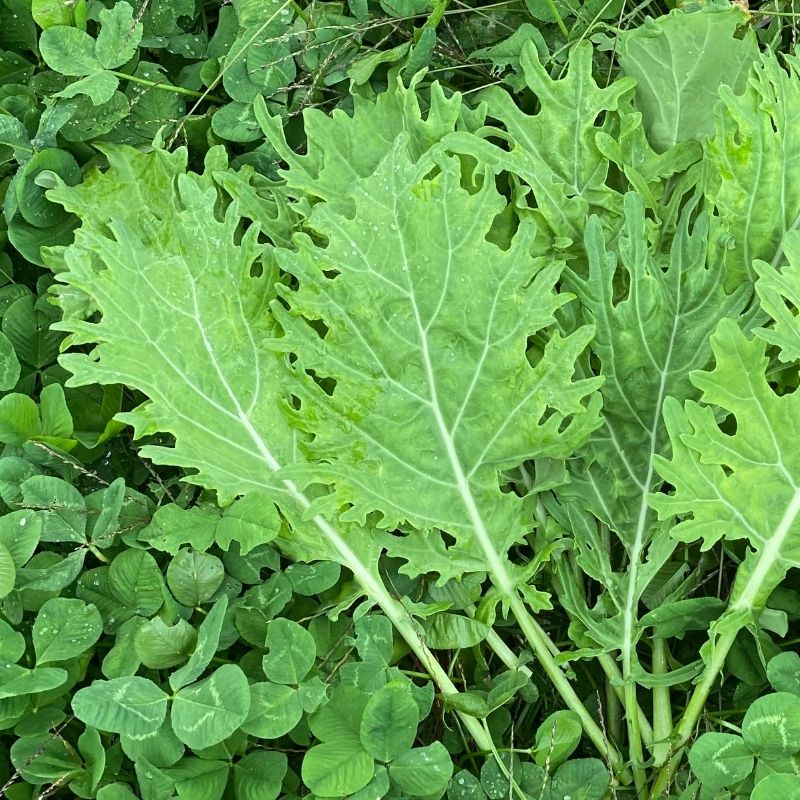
73 52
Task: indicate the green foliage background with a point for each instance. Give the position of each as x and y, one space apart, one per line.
255 555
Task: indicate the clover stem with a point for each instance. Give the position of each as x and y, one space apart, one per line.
165 87
97 554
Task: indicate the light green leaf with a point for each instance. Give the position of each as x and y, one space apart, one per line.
360 71
132 705
19 419
61 506
116 791
199 778
44 758
274 710
13 134
135 579
172 526
159 645
16 681
64 628
779 292
91 748
673 620
508 51
90 120
580 779
9 364
784 786
260 605
207 641
250 521
752 183
720 759
783 672
506 685
160 747
555 151
740 485
99 87
105 525
246 462
649 337
311 579
557 737
259 775
379 786
69 51
291 652
465 786
337 768
422 51
312 693
431 351
423 770
8 572
47 13
32 202
12 643
389 723
56 417
207 712
163 266
193 577
119 36
680 61
470 703
237 122
446 631
340 717
771 726
341 147
375 639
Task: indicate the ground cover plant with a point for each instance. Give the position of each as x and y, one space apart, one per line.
399 401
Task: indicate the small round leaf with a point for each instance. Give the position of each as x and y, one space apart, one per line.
64 628
720 760
274 710
207 712
291 652
336 769
193 577
389 724
771 726
131 705
422 771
